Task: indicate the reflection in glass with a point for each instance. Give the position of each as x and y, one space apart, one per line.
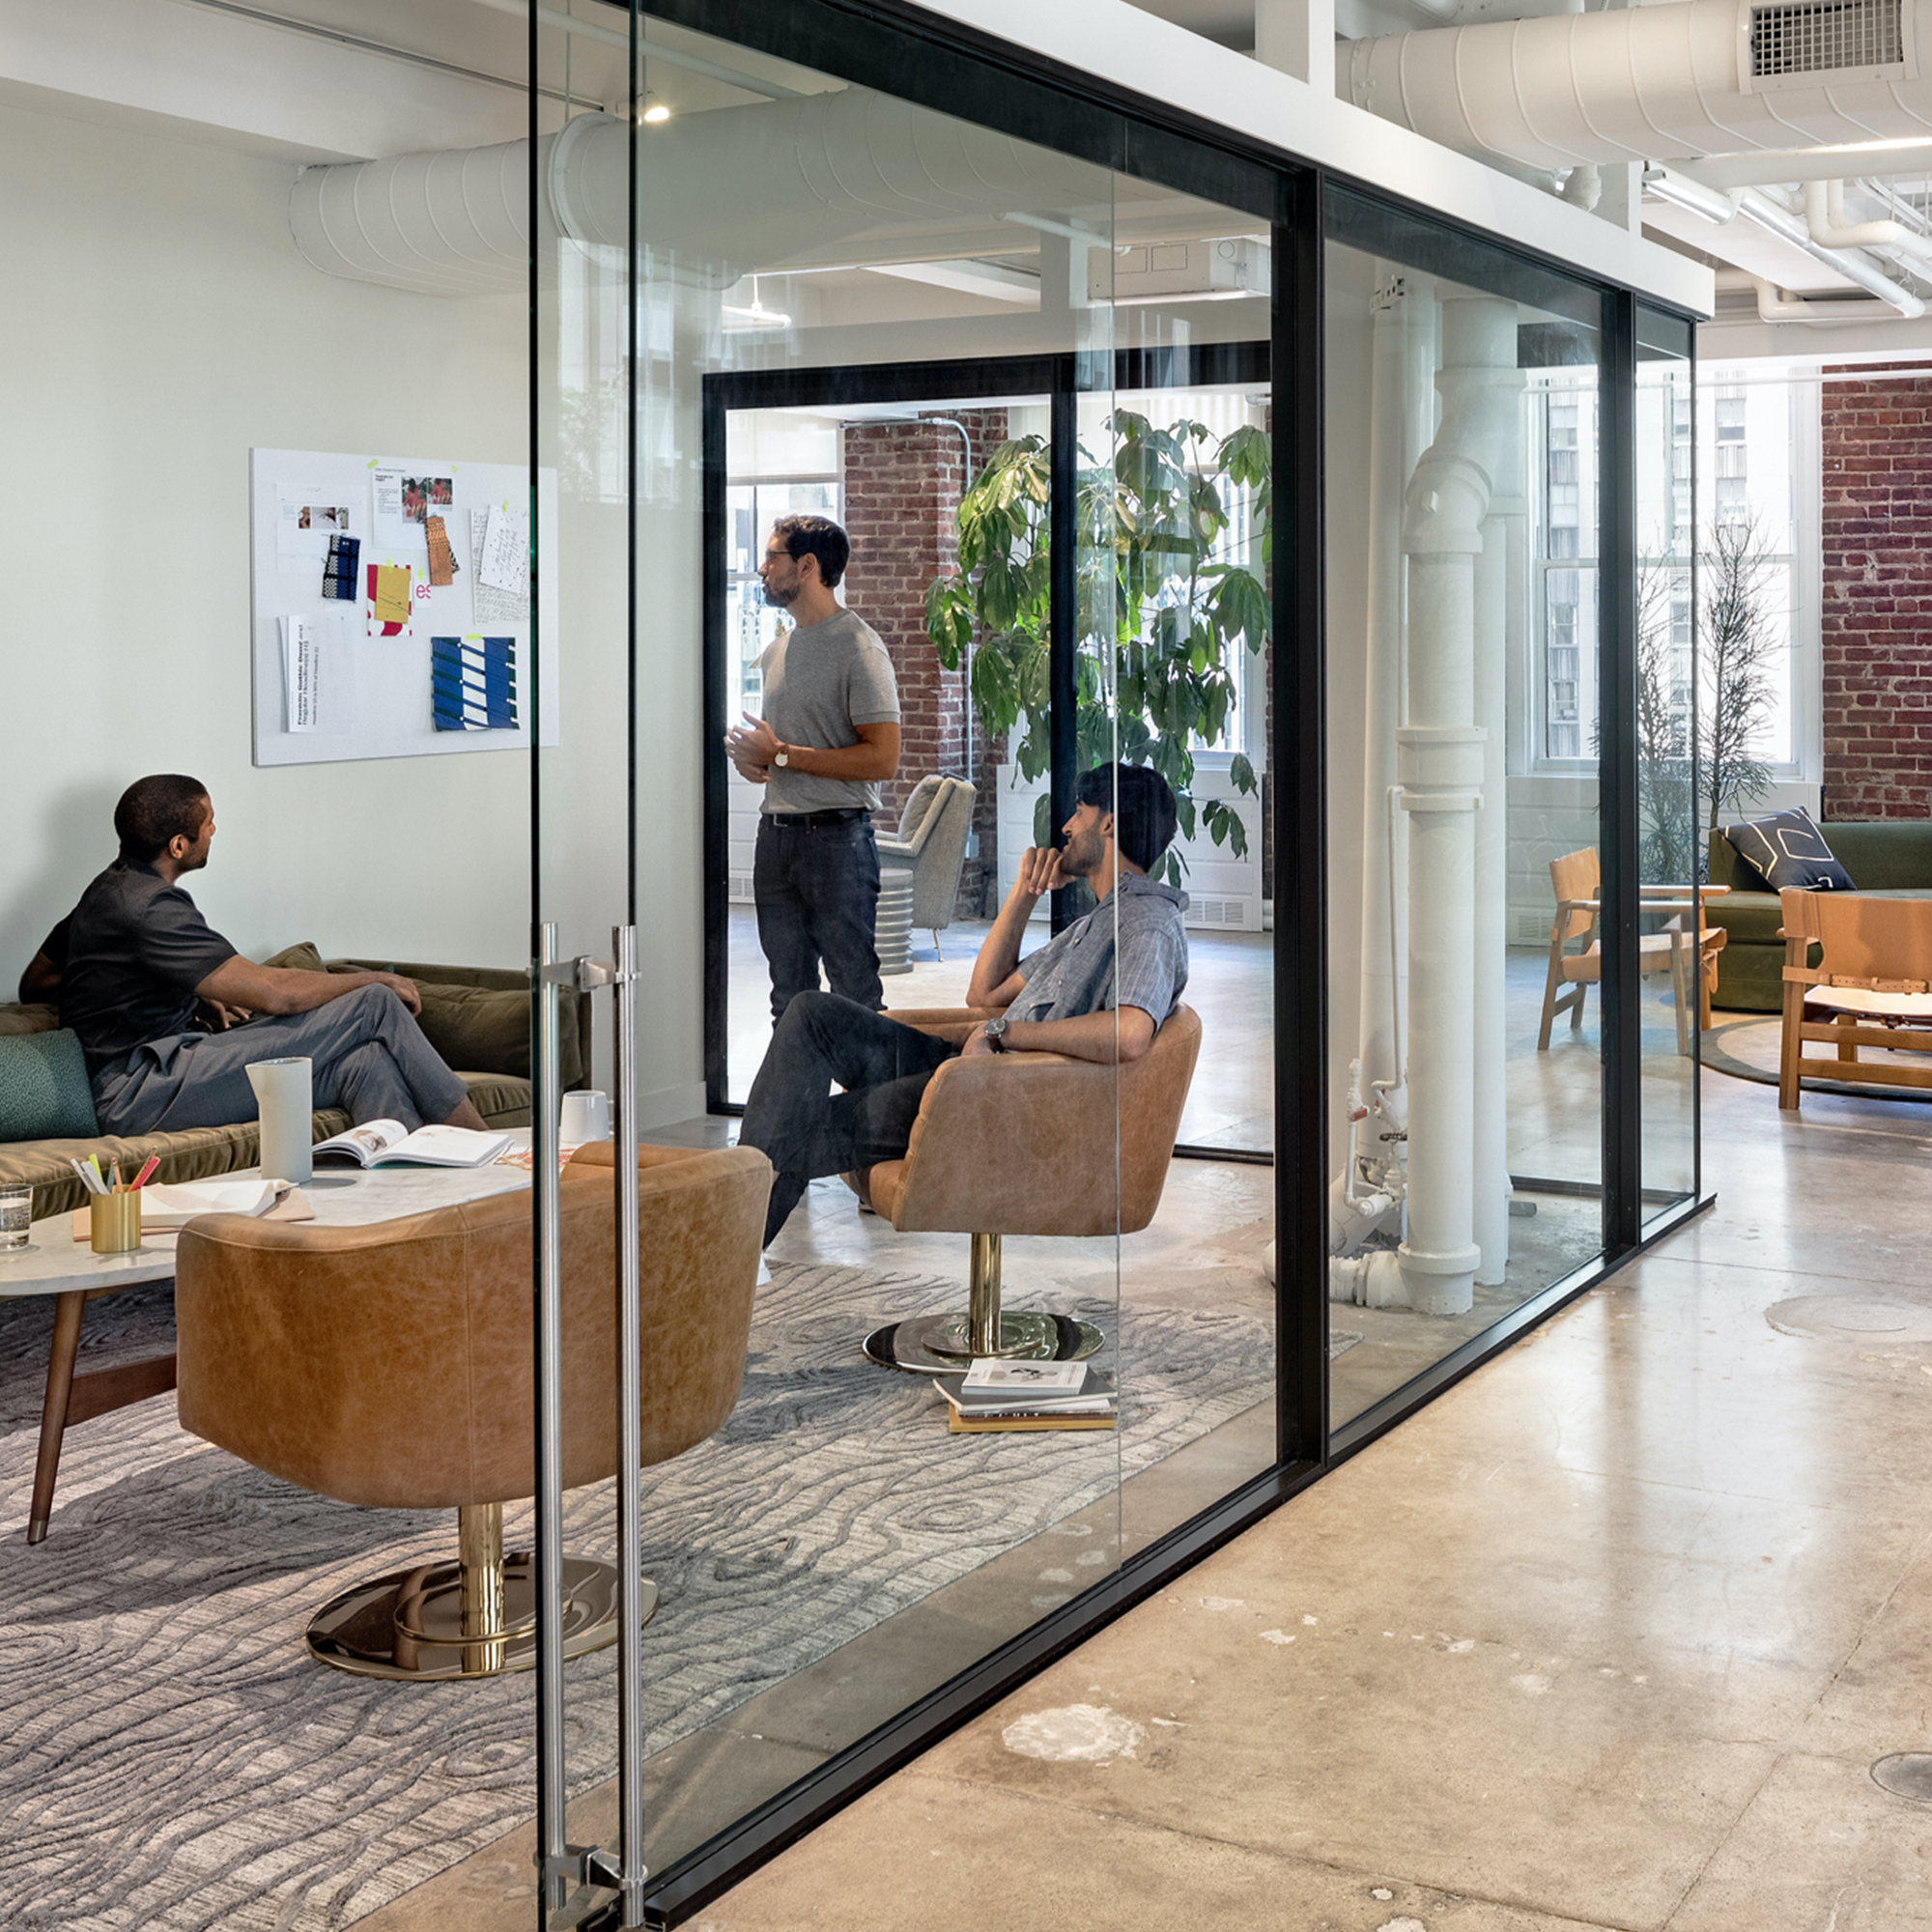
1462 682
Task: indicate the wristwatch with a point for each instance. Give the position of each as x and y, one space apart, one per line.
782 758
995 1030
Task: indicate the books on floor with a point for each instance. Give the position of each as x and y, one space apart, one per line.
388 1143
995 1396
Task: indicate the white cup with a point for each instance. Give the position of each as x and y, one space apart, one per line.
585 1117
283 1092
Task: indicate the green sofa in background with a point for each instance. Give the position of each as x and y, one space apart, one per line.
1891 857
478 1017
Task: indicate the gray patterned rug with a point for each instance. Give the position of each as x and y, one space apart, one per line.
172 1759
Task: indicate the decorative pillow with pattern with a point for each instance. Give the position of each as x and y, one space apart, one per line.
1790 853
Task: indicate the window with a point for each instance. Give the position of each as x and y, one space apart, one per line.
780 465
1563 418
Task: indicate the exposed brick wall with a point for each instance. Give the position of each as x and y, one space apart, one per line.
1877 611
903 482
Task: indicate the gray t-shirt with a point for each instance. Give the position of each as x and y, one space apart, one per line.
820 681
1076 972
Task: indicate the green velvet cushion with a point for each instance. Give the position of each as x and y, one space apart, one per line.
300 958
480 1029
43 1089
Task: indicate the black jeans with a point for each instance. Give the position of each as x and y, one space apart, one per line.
804 1128
818 894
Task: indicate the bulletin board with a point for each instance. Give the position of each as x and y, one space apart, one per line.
391 609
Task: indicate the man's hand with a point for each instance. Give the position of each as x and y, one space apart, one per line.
977 1045
753 743
1040 873
403 989
218 1016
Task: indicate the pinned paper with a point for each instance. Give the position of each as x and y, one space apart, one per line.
306 517
392 594
301 656
386 600
441 560
490 605
474 683
338 573
505 554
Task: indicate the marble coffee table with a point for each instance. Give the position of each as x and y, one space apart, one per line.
56 1264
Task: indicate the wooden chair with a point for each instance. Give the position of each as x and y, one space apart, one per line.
1575 879
1872 986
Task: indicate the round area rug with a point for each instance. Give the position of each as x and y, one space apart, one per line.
1748 1049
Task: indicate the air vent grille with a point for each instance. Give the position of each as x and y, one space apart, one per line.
1825 37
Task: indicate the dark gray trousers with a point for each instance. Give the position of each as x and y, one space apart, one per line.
794 1118
370 1056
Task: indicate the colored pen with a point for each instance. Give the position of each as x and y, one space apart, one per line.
154 1161
114 1175
94 1162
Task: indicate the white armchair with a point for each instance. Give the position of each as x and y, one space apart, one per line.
920 867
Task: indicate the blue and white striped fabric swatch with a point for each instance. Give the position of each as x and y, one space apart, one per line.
473 683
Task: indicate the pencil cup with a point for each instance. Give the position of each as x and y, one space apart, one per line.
117 1222
283 1092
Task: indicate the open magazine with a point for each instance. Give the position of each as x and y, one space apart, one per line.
388 1143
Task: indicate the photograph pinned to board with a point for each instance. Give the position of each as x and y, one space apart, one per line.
405 499
307 515
389 600
499 548
473 683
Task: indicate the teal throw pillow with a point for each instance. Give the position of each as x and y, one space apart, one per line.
43 1089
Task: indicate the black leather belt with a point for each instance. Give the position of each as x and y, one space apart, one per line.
811 821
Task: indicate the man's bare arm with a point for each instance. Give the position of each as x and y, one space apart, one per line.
288 989
995 983
874 757
41 980
1091 1036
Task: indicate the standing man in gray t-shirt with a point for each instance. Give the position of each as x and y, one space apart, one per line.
829 736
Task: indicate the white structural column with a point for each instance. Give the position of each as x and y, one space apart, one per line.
1440 765
1495 605
1297 37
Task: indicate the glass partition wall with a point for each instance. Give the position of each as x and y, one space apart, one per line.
1082 392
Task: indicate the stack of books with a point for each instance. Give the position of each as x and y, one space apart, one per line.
993 1396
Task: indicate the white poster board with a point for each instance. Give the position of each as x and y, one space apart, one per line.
332 683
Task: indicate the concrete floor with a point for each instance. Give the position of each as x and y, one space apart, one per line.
1609 1636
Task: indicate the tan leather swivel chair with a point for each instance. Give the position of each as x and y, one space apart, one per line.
1026 1144
392 1366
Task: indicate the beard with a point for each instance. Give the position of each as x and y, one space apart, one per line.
1080 857
780 597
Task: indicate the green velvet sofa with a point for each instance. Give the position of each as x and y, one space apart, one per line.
1887 857
475 1016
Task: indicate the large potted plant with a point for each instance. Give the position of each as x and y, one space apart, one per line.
1184 606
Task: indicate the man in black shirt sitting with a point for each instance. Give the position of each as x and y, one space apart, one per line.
153 992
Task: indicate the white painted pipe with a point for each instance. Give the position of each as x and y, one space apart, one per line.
1626 84
1390 461
1441 762
1490 1150
1758 207
734 191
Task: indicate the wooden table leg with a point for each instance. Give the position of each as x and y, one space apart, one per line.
53 1412
73 1398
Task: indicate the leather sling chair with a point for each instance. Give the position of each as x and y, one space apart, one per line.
1026 1144
391 1365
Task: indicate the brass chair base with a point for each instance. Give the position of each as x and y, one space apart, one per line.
475 1617
942 1343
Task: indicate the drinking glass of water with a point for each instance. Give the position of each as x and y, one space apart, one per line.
17 1215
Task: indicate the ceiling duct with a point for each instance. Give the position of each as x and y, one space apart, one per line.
826 178
1653 83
